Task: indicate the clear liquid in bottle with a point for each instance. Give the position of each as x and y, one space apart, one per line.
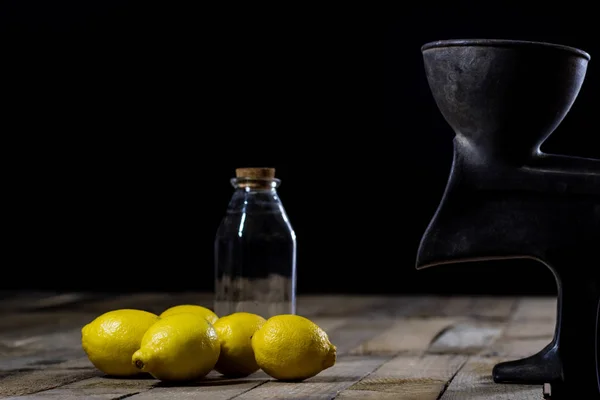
255 249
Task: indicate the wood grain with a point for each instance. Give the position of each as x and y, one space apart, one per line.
396 307
329 324
532 329
466 338
534 318
36 350
336 305
151 302
355 331
410 335
396 347
535 308
45 300
515 348
33 380
39 323
94 388
11 301
407 378
474 382
326 385
212 388
478 307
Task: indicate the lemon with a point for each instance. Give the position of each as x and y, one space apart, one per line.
191 308
293 348
235 335
178 347
111 339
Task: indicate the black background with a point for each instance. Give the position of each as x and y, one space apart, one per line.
123 123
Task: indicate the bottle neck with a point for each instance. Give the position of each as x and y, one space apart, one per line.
255 196
255 184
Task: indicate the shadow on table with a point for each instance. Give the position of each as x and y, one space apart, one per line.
258 377
126 378
208 382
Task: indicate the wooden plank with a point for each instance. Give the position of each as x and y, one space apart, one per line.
532 329
152 302
474 382
535 308
310 306
212 391
373 395
337 305
407 378
356 331
329 324
515 348
213 387
39 322
44 300
406 307
41 357
16 300
479 307
38 351
68 301
50 341
534 318
60 339
466 338
48 377
347 371
93 388
30 342
30 350
409 335
29 362
43 354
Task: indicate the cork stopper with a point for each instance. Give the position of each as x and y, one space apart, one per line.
255 178
255 173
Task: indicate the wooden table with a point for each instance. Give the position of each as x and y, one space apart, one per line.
388 348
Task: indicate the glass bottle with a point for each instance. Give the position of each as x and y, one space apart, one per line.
255 249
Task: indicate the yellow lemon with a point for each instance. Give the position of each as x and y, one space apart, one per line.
191 308
235 333
179 347
292 348
111 339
